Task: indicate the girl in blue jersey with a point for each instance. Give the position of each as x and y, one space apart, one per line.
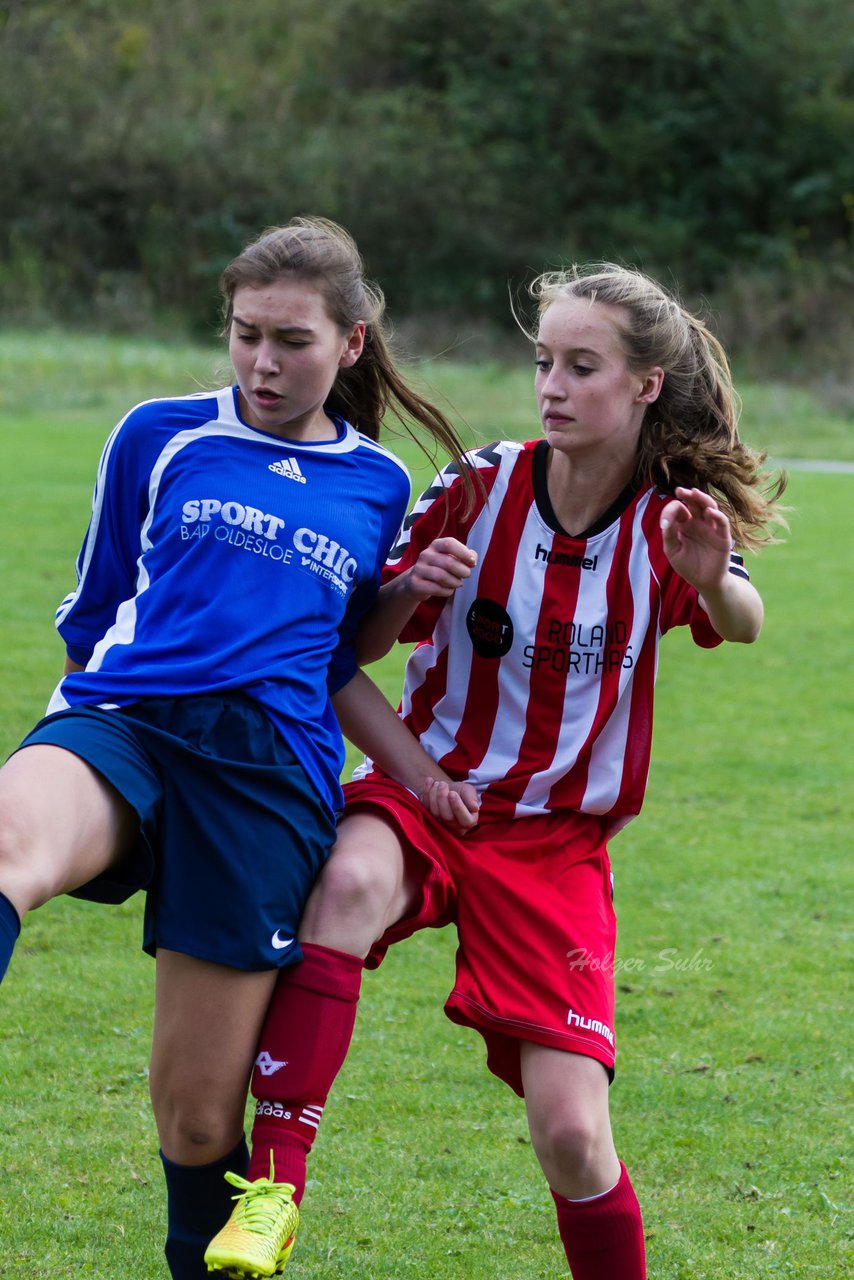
192 749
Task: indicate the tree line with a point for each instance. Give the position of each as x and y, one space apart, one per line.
465 143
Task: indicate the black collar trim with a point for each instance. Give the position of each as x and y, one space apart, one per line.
539 464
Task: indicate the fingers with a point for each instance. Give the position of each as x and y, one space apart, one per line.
457 550
454 803
442 567
674 513
693 505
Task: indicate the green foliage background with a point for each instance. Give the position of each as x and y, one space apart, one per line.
464 142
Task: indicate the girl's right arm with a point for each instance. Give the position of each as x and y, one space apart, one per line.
440 568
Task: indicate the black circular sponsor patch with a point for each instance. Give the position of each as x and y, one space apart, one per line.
490 629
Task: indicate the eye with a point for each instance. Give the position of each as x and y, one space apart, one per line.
583 370
543 365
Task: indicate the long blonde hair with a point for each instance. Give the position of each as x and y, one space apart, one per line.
689 434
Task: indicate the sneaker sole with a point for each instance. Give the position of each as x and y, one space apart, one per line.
236 1272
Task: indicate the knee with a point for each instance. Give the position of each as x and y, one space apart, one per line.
570 1145
24 870
353 901
192 1129
351 883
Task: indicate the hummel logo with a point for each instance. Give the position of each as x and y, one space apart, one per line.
268 1066
562 557
288 467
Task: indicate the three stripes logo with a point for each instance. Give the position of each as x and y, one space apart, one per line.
311 1115
288 467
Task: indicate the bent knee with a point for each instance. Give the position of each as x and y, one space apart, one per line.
349 881
26 875
357 896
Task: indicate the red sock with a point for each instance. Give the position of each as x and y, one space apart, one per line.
603 1237
301 1050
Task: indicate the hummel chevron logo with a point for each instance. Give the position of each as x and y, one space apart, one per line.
288 467
268 1066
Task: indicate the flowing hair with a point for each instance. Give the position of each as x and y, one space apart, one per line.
689 435
324 255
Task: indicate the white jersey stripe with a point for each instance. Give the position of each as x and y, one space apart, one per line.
605 771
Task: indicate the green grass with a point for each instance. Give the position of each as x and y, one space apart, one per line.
733 890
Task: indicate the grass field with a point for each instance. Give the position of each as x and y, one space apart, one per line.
734 1086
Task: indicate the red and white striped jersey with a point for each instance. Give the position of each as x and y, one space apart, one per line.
535 680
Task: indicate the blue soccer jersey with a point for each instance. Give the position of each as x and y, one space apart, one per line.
219 557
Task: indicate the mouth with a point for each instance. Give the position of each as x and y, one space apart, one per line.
552 419
266 397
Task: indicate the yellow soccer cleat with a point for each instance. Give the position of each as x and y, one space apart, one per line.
258 1238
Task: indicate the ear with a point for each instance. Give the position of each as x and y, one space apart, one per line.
354 346
651 386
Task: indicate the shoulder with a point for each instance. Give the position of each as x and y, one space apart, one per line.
486 461
173 412
379 455
500 453
148 425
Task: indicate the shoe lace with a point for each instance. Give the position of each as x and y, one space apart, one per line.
263 1203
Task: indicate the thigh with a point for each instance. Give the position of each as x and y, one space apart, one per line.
61 824
566 1088
364 888
207 1021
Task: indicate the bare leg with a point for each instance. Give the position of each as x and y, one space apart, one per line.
598 1215
566 1095
206 1024
61 824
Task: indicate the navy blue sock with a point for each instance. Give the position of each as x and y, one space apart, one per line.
10 927
199 1202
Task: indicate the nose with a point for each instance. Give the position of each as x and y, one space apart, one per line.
266 359
551 386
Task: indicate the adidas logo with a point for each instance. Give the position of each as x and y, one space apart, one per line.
288 467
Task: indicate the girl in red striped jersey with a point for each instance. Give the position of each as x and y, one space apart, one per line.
537 611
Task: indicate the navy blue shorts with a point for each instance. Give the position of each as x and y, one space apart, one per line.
231 832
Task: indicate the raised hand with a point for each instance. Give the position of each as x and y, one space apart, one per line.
697 538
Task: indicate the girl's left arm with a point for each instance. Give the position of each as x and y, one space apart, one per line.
369 721
697 541
735 609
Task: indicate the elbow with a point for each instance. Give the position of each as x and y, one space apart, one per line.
368 653
748 630
371 647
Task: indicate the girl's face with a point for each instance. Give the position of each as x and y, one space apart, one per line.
591 404
286 351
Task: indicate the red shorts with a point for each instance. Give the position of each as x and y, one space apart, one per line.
531 899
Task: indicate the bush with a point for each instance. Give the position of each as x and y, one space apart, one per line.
464 142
